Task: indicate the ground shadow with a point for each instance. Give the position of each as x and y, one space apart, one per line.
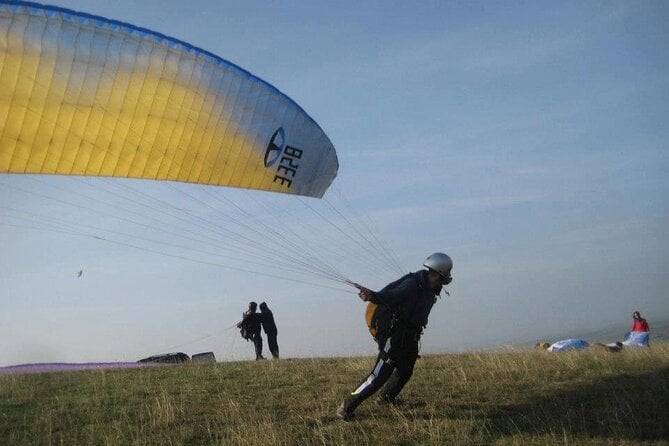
632 407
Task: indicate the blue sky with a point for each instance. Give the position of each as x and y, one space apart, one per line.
528 140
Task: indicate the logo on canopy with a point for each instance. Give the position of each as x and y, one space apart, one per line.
287 157
275 147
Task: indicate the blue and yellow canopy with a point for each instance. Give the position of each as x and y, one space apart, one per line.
84 95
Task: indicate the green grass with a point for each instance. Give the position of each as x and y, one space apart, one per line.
520 398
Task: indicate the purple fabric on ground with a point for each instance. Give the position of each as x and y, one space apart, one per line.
69 367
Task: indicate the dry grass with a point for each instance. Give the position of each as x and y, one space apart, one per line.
519 398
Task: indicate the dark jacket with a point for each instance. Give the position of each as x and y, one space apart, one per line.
268 324
252 322
411 299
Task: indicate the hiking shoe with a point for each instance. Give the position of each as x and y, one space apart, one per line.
344 414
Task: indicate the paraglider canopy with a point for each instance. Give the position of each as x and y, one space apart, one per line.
637 339
568 344
85 95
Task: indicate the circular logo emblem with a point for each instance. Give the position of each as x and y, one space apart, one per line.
275 147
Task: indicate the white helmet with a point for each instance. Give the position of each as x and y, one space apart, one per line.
441 263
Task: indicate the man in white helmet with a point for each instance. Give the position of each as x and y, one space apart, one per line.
411 299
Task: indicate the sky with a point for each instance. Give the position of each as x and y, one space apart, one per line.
528 140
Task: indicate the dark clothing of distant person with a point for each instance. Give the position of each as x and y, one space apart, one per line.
269 326
251 321
411 300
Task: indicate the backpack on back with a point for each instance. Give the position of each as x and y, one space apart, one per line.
380 318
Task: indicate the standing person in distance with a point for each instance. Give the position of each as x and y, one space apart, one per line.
250 328
639 323
411 299
269 326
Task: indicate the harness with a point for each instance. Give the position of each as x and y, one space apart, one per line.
387 317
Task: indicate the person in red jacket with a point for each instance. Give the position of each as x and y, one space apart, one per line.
639 323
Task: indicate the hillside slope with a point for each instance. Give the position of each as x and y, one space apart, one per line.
590 397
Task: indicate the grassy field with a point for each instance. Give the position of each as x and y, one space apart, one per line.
579 398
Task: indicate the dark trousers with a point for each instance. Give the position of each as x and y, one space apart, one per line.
257 343
393 368
273 345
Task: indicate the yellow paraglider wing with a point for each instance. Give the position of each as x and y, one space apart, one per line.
84 95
